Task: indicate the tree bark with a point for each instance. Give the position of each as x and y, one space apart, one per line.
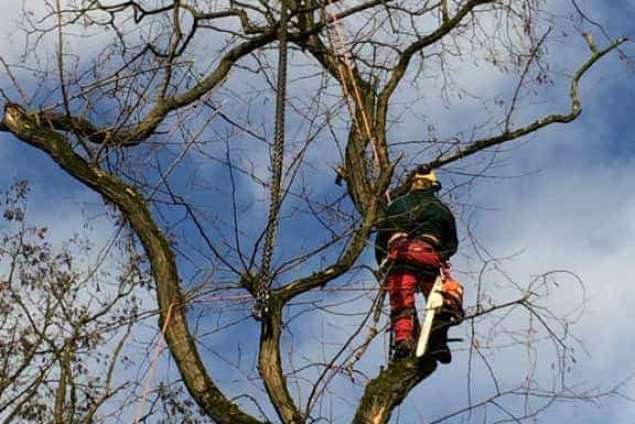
385 392
134 208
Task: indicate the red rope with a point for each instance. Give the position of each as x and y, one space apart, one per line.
153 365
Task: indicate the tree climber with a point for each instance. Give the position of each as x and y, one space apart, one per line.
415 240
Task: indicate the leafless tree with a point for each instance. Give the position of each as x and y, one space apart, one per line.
169 120
62 338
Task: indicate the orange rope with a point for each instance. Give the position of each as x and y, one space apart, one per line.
153 365
346 63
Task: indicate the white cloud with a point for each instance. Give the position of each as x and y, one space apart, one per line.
577 214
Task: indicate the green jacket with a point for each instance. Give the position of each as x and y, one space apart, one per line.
417 213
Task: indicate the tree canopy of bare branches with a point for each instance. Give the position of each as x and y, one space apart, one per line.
162 107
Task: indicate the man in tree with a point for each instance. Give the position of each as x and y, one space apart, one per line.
415 240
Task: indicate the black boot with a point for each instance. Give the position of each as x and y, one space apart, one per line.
439 349
403 349
438 344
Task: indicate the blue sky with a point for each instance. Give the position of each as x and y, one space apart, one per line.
575 211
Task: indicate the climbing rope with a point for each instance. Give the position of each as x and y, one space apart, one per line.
353 94
346 67
263 290
153 366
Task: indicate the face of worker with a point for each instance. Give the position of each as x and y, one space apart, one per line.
419 183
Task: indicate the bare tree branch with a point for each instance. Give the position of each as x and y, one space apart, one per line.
169 296
576 109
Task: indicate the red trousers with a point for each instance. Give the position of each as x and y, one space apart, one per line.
404 281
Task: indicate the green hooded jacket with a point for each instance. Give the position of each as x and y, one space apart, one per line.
416 213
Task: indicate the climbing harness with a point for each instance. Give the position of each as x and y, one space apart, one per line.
263 289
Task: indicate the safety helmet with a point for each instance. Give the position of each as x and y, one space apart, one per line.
424 172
